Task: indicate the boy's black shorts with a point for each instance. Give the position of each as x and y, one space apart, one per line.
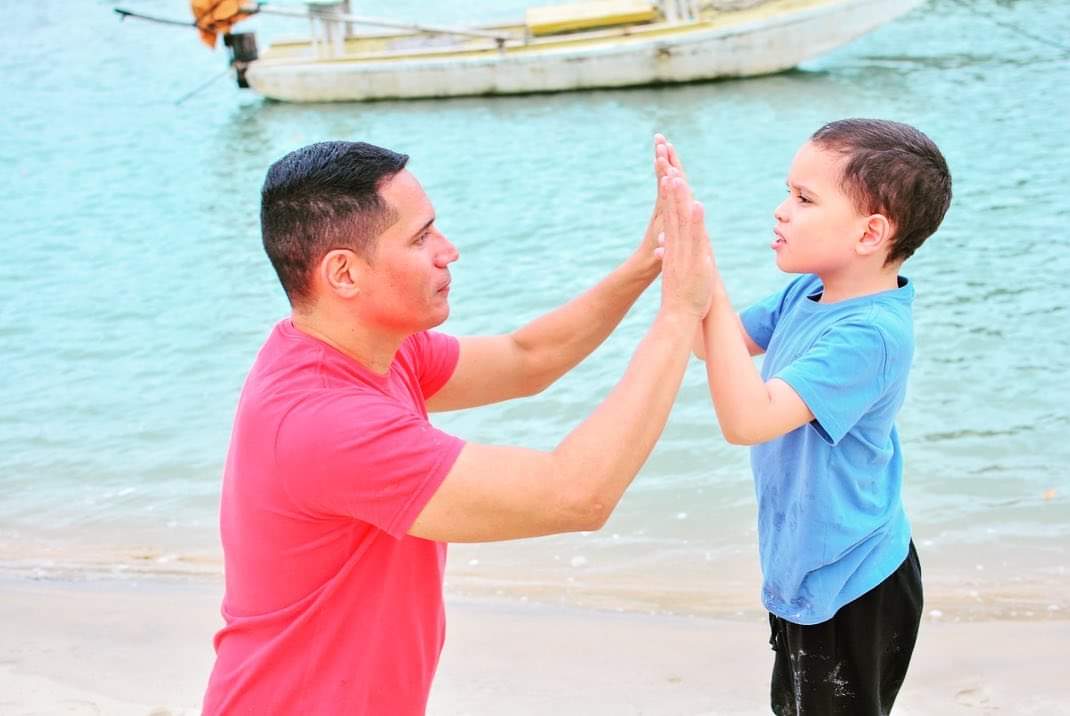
854 663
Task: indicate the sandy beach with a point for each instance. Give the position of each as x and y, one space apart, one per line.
143 648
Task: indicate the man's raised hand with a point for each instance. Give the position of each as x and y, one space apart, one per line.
666 164
687 271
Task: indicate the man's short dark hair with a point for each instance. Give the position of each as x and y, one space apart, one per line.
895 170
323 197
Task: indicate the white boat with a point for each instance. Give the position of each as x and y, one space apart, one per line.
606 43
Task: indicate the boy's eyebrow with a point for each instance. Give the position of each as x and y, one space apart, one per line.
801 188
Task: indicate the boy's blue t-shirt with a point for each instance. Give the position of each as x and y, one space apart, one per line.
831 524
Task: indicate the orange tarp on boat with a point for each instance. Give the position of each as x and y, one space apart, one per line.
218 16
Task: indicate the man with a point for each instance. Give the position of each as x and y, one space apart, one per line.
339 495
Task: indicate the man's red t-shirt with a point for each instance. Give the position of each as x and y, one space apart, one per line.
330 607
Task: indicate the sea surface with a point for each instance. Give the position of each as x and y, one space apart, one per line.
134 292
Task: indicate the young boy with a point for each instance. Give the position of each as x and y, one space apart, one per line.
841 579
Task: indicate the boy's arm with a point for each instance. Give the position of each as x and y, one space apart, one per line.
699 348
749 410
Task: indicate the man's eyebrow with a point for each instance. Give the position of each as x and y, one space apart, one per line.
425 227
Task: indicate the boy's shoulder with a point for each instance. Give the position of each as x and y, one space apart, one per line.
803 286
876 327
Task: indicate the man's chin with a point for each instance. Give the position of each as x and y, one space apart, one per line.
439 318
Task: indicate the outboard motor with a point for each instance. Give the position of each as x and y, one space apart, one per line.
242 47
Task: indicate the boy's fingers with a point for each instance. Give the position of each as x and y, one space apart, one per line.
698 223
699 232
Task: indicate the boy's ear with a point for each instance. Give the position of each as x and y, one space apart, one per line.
876 235
341 272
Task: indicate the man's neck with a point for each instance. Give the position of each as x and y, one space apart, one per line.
372 349
846 285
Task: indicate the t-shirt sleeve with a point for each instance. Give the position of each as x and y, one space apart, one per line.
761 318
365 456
435 357
840 377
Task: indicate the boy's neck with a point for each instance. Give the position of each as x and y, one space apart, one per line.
847 284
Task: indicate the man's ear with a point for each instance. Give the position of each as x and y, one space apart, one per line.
342 272
876 236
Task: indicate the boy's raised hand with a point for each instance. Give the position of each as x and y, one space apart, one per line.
687 271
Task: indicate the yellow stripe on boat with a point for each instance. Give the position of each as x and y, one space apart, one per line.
553 19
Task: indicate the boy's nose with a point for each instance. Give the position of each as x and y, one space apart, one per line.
779 213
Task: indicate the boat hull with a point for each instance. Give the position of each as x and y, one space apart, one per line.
680 53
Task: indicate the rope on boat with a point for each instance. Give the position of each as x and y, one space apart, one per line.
200 87
123 14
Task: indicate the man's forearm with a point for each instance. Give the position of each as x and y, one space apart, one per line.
631 418
555 342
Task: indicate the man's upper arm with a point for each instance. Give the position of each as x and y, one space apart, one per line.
489 369
498 493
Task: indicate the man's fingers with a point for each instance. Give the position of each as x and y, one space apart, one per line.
677 215
674 158
682 197
671 215
698 219
662 166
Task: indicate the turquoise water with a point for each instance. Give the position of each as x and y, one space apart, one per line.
134 293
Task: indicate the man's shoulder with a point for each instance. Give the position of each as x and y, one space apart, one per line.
423 343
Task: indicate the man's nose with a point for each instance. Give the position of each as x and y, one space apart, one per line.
447 253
